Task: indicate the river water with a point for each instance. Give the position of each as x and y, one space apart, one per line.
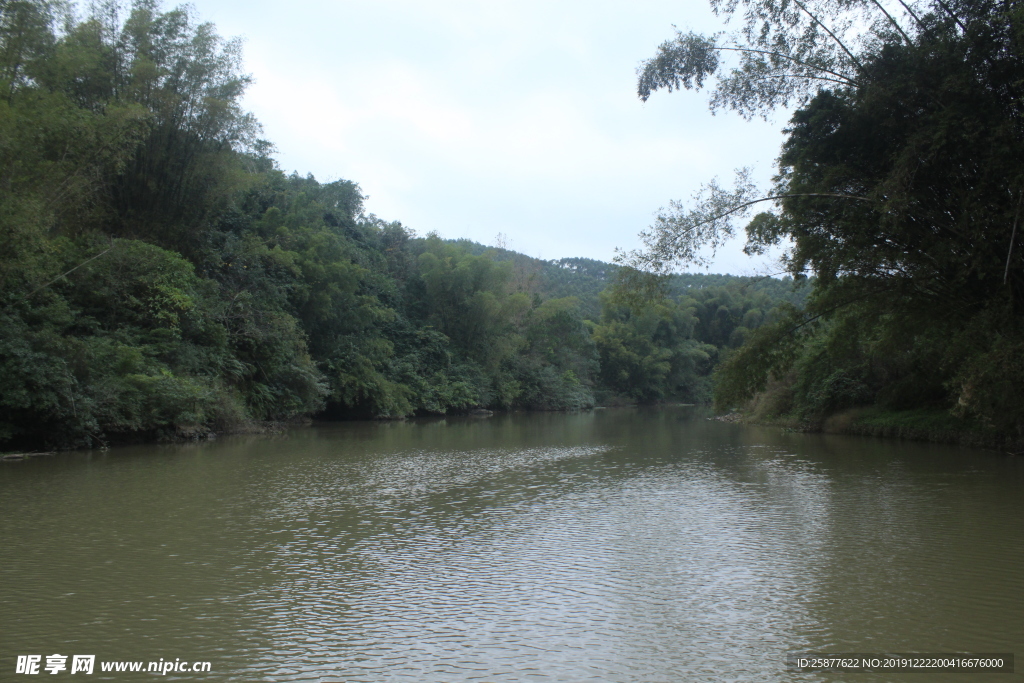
614 545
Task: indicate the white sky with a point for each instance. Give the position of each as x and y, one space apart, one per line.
473 118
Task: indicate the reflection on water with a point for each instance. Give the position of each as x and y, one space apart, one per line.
614 545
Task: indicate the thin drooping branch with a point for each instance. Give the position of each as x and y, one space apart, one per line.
914 15
856 62
893 22
835 308
845 78
774 197
43 286
812 78
677 237
952 14
1013 236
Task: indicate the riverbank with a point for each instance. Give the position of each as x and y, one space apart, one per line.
179 434
187 433
931 425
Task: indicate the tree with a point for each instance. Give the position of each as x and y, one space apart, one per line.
794 52
899 184
648 351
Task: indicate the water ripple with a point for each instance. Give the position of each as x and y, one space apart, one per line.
596 548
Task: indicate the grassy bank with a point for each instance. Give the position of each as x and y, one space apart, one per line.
923 424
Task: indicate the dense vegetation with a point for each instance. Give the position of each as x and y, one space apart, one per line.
160 277
901 189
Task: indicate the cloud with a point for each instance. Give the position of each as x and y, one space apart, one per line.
474 118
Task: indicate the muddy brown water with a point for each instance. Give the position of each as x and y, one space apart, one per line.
614 545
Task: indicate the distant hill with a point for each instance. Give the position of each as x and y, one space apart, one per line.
586 278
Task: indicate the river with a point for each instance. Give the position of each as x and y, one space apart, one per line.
613 545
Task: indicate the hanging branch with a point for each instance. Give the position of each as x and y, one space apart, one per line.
1013 236
893 22
30 294
845 49
845 78
683 234
950 12
778 196
810 78
916 18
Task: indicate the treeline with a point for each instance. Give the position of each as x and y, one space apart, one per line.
918 305
160 277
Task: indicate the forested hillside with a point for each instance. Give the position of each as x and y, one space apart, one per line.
160 277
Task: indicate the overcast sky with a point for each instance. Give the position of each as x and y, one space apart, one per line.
473 118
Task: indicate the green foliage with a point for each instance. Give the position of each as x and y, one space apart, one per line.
931 247
126 342
159 277
649 353
518 351
555 370
988 380
899 188
585 279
